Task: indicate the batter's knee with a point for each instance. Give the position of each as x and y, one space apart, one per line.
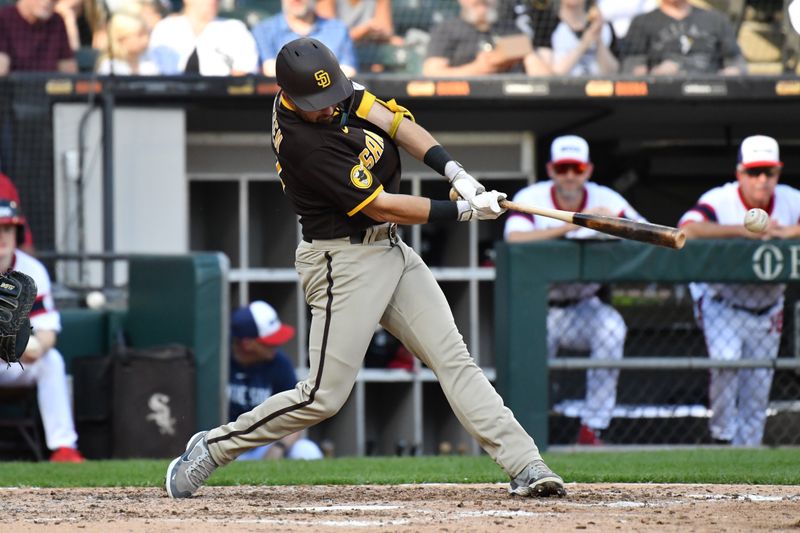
327 403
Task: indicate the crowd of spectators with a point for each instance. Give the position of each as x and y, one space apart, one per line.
452 38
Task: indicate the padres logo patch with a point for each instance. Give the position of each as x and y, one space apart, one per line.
361 177
323 78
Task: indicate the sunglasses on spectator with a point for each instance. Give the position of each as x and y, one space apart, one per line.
563 168
755 172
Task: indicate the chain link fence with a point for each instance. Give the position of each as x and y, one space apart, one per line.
666 389
26 156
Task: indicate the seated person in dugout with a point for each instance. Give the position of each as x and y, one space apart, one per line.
41 363
260 369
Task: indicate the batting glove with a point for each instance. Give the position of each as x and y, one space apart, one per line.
466 186
483 206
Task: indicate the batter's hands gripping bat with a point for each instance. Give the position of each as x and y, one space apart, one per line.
619 227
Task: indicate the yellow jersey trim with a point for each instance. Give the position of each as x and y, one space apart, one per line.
367 101
367 201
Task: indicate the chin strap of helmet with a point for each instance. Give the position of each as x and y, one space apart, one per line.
346 108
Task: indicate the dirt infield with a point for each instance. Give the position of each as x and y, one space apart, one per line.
407 508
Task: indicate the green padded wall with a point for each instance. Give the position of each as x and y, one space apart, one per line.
524 272
183 299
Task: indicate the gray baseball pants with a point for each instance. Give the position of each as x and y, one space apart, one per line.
350 289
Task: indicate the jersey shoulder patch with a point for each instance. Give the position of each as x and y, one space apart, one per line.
360 177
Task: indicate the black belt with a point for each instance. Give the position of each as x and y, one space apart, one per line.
374 233
757 311
565 303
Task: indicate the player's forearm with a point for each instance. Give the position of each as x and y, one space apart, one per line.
47 338
399 208
712 230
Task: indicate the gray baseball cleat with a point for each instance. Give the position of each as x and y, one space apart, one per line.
188 472
537 479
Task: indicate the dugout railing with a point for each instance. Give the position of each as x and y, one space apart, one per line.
668 374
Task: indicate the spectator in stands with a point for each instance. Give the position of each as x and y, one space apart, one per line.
577 318
128 51
296 20
579 43
34 38
370 25
465 46
9 190
620 13
196 41
258 370
678 38
151 11
743 321
42 364
367 20
79 28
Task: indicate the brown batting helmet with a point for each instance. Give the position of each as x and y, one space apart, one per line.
309 73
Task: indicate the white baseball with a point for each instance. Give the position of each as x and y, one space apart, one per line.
33 344
756 220
95 300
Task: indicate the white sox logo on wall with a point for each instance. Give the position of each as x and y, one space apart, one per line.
161 414
323 78
767 262
361 177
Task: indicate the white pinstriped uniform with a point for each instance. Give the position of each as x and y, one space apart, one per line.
587 323
740 321
48 372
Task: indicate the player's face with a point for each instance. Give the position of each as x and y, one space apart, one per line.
570 178
8 239
249 351
323 116
757 184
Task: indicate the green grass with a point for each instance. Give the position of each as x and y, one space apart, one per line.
775 467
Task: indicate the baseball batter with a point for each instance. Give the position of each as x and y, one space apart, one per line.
743 321
577 319
338 160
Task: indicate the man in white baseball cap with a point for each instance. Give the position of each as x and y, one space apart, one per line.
759 151
577 318
260 369
743 320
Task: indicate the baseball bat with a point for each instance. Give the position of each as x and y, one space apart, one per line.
619 227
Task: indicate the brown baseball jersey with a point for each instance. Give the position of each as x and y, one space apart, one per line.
329 172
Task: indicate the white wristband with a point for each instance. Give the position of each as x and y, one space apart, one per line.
464 210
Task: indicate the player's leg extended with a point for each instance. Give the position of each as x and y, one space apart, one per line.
420 317
723 330
347 287
607 332
755 383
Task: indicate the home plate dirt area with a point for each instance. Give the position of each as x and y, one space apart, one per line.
406 508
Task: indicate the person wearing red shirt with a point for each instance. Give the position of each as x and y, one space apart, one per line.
34 38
